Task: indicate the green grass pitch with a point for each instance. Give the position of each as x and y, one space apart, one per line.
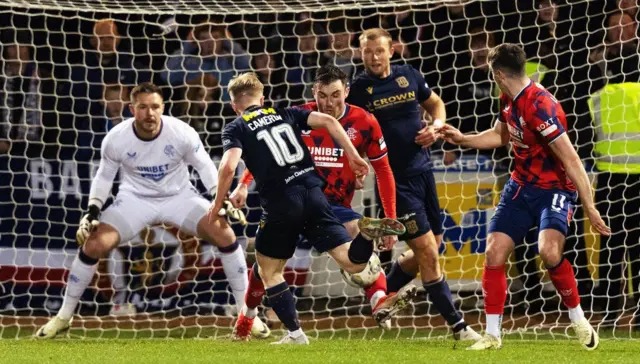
322 351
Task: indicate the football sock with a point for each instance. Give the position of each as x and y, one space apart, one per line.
398 278
283 305
564 280
235 269
82 270
377 290
255 292
360 250
440 294
494 323
494 286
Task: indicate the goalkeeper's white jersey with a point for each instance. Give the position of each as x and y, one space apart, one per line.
152 168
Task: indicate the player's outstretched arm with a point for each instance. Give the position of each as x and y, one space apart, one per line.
239 196
227 171
488 139
318 120
566 153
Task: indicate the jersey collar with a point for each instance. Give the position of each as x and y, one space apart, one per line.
143 139
251 108
345 111
522 91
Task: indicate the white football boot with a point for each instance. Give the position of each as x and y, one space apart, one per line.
487 342
52 328
587 336
467 334
290 340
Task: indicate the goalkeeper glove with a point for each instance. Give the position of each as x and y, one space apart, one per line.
88 223
233 213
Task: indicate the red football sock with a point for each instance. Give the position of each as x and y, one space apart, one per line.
564 280
255 291
379 285
494 287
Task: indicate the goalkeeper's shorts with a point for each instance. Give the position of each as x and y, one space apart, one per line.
305 212
524 207
129 213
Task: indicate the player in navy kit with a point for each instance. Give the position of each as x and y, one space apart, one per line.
541 191
291 193
396 95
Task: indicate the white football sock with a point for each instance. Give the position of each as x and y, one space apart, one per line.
576 314
235 269
249 312
80 276
494 323
376 297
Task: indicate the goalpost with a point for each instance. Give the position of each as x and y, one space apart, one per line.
69 66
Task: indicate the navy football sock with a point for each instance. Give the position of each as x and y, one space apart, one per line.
440 294
360 250
281 300
398 278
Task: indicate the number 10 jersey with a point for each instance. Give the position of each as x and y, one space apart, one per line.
272 148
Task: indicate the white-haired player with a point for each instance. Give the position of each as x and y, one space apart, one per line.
152 152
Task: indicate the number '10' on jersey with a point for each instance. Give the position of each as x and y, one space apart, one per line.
272 148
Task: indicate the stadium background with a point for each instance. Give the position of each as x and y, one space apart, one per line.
56 112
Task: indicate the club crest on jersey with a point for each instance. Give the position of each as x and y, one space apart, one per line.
402 82
170 151
370 90
352 133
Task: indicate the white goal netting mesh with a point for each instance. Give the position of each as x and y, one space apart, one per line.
67 67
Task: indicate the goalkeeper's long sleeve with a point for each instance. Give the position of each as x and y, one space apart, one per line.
197 157
103 180
386 185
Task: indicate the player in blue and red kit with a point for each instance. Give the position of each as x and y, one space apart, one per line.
541 191
396 96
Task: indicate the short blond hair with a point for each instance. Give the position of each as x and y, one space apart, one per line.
246 84
374 34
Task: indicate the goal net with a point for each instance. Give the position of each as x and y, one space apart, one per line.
68 67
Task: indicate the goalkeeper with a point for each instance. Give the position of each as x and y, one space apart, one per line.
152 152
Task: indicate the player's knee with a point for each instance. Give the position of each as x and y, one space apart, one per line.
271 278
497 251
218 232
97 247
550 255
424 247
352 228
408 262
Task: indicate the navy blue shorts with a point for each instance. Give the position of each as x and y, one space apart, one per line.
345 214
527 206
417 205
303 212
